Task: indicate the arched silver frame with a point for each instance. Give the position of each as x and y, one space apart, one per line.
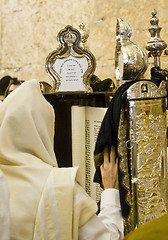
76 78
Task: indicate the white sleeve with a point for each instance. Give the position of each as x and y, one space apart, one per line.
109 223
4 208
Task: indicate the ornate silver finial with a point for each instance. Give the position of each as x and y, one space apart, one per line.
69 38
84 35
130 59
156 45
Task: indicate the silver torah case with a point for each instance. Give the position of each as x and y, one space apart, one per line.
142 137
142 148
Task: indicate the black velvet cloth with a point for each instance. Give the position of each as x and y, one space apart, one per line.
157 74
108 135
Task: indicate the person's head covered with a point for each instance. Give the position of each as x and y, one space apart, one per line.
27 127
42 196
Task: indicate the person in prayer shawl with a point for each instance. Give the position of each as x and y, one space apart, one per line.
4 208
47 202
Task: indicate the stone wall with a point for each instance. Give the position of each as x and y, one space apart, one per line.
29 28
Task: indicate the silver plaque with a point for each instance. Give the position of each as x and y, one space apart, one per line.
70 66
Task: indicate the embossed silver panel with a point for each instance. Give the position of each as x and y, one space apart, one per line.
148 155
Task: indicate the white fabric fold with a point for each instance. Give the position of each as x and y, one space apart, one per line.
28 162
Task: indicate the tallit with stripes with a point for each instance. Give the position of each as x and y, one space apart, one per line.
46 202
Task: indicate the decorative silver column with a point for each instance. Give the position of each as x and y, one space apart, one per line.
156 45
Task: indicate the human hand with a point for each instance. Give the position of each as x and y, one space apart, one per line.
109 169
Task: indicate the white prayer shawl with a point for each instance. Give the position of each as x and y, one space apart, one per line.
4 208
44 202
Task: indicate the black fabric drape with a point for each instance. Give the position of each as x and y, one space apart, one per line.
108 135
